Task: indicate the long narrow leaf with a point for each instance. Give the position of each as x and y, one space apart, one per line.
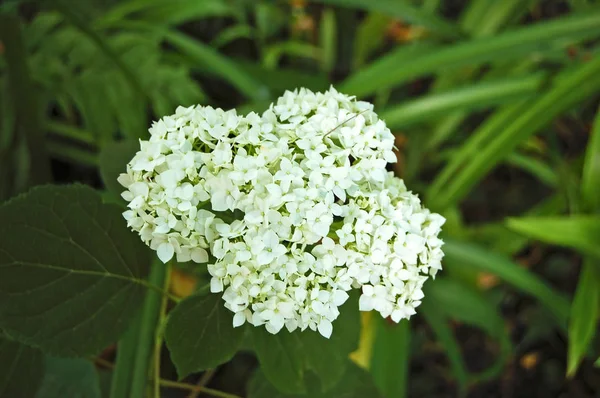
404 10
473 257
388 72
590 180
215 62
391 356
577 231
566 93
584 314
475 96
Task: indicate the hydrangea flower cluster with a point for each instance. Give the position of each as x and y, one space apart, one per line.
295 206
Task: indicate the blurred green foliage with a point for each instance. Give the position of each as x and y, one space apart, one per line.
493 103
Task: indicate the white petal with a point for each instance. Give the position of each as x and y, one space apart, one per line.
199 255
239 319
165 252
325 328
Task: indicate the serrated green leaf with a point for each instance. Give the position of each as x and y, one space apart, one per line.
287 358
356 383
69 377
113 161
70 270
584 315
200 334
21 369
579 232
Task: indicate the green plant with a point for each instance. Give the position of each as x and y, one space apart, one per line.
489 88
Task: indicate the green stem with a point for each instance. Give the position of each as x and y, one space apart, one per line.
162 316
148 325
121 378
191 387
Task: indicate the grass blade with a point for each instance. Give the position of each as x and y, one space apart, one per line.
584 315
579 232
388 72
476 96
391 357
476 258
566 93
446 338
403 10
590 188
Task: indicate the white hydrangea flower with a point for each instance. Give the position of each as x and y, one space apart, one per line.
295 205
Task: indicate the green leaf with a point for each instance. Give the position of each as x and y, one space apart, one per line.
113 161
287 358
72 16
403 10
475 96
76 292
475 258
585 312
69 377
590 188
387 71
356 383
462 303
21 369
328 40
200 334
579 232
574 87
391 357
446 338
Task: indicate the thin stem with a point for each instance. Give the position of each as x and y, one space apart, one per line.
191 387
149 322
103 362
206 377
344 122
159 332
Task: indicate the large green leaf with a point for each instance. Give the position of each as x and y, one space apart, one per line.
390 359
21 369
291 360
394 69
475 258
584 315
356 383
69 377
70 270
579 232
200 334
